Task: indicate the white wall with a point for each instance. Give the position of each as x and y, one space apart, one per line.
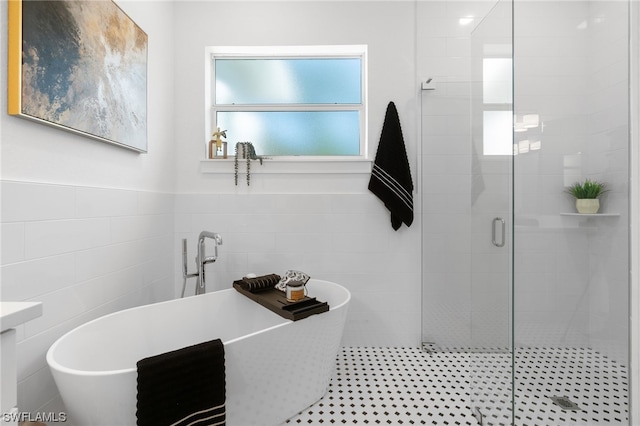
328 225
87 227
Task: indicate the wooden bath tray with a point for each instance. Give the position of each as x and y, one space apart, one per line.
276 301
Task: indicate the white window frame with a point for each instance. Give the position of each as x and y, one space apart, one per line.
352 163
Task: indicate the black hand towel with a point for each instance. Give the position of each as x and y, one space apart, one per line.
183 387
391 177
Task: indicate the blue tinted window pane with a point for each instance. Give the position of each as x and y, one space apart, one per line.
288 81
294 133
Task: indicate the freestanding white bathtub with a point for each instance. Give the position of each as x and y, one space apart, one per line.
274 367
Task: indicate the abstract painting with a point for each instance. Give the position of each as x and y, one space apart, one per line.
80 66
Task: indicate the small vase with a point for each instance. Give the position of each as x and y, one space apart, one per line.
588 206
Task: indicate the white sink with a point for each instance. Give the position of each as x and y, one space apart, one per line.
12 314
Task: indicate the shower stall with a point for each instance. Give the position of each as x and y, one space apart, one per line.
533 295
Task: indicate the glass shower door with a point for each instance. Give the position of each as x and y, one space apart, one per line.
491 215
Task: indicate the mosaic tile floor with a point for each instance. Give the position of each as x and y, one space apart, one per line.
405 386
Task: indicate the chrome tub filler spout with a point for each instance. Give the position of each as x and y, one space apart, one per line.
201 260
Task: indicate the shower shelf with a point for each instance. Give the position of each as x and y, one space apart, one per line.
591 215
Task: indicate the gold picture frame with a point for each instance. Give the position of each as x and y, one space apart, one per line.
80 67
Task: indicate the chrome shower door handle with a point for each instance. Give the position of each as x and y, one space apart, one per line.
493 232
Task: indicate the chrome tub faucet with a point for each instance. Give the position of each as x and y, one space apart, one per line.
201 260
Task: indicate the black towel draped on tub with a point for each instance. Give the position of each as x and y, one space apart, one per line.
183 387
391 177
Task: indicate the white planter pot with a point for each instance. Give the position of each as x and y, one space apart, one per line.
588 206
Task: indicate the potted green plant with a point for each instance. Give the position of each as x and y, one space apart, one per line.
586 194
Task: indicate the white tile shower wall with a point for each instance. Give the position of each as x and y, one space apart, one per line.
83 252
551 50
459 292
607 149
571 273
490 196
443 54
345 238
446 246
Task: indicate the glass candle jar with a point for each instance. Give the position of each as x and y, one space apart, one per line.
296 291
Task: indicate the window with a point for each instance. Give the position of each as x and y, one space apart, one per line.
290 102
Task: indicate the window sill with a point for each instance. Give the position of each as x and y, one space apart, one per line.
291 166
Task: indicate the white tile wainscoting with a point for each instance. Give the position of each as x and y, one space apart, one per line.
344 238
83 252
